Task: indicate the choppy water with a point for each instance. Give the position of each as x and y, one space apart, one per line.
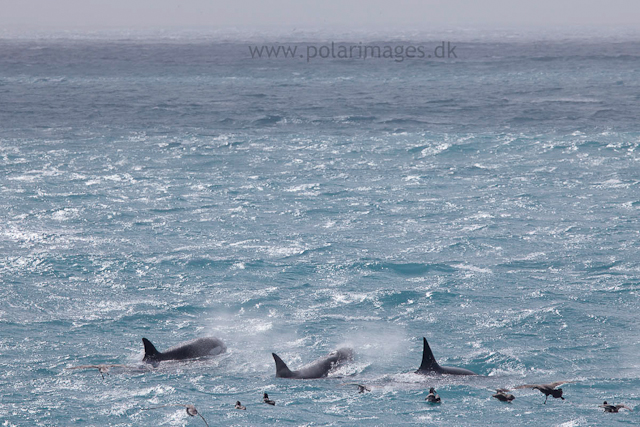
177 188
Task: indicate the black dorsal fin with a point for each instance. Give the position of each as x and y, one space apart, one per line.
282 371
428 360
150 352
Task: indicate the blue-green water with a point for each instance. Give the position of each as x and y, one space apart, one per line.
177 188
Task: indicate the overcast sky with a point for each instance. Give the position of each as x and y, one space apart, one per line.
144 14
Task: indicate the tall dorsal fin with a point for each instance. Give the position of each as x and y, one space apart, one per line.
150 351
428 360
282 371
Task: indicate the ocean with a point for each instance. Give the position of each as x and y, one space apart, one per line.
172 186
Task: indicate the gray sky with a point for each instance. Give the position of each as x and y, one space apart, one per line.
143 14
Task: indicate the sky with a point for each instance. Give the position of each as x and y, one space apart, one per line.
300 14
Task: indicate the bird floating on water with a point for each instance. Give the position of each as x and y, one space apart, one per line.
502 396
613 408
363 388
265 399
432 397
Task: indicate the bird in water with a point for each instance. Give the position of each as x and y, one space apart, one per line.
363 388
240 406
613 408
547 389
102 368
432 397
191 410
502 396
265 399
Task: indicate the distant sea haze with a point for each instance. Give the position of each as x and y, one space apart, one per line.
565 85
174 188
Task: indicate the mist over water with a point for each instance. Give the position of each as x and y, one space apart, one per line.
173 189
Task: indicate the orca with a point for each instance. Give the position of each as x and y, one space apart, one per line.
189 350
429 365
317 369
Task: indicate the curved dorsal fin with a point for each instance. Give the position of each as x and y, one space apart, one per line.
428 360
282 371
150 351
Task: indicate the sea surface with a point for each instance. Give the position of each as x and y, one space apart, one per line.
173 187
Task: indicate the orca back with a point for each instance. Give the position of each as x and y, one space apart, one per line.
150 352
282 370
429 363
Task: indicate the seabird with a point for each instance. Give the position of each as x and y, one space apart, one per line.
613 408
102 368
547 389
432 397
191 410
363 388
266 399
502 396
